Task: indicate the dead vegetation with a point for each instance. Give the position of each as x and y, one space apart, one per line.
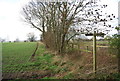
79 63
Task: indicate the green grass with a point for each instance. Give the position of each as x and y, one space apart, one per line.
102 42
16 58
16 54
91 42
69 76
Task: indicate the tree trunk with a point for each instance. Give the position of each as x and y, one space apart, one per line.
63 44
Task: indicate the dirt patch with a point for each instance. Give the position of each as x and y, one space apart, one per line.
27 75
83 63
32 56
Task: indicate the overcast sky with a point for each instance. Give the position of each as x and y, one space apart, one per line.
12 27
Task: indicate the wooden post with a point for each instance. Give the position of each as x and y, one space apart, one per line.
94 53
94 48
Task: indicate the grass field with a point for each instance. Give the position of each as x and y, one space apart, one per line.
97 42
16 54
46 65
16 60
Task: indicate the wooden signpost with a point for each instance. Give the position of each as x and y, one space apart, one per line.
94 48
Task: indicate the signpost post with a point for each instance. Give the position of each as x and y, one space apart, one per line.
94 52
94 49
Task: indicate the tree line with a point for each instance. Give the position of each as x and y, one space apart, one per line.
59 22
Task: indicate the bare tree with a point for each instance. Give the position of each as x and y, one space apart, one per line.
17 40
31 37
34 15
57 19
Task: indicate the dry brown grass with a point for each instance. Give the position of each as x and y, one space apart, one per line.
82 63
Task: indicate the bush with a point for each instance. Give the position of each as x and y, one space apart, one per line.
115 43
